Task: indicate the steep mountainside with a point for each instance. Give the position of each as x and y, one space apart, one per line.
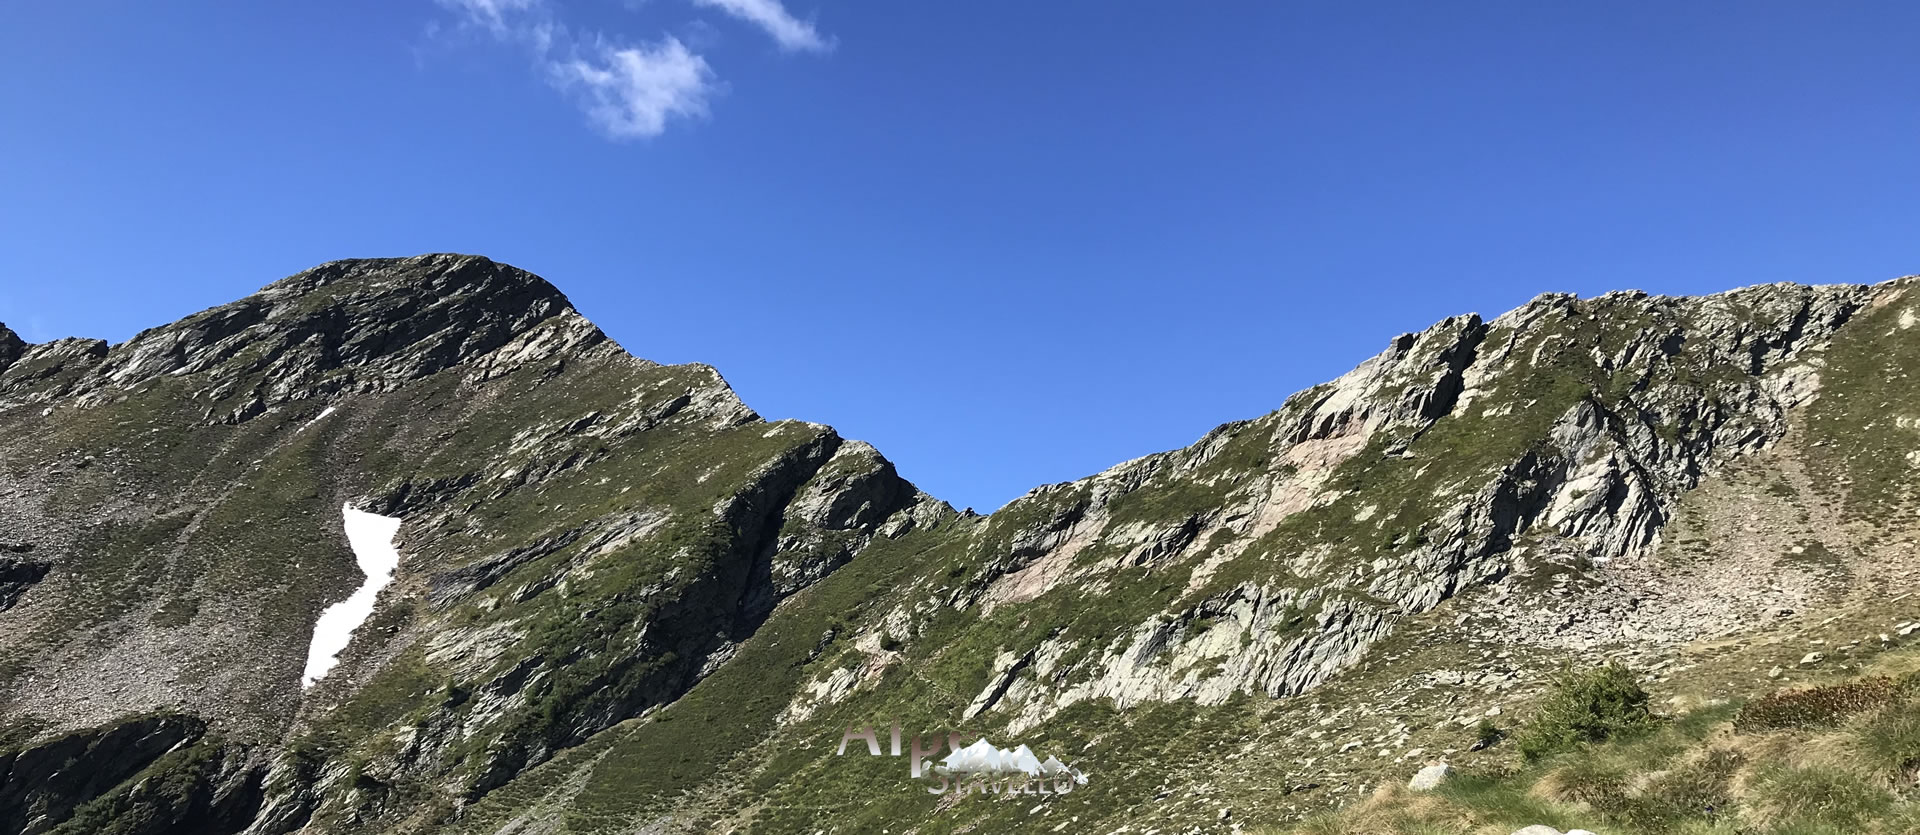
626 603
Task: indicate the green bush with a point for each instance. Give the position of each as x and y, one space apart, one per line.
1586 707
1487 734
1815 707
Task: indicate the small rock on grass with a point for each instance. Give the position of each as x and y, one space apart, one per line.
1430 778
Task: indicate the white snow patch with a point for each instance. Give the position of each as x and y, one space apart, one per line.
316 419
370 535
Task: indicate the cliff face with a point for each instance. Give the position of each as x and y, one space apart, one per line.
627 603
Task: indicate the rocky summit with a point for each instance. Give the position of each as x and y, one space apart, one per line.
625 603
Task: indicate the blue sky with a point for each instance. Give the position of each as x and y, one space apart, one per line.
1010 243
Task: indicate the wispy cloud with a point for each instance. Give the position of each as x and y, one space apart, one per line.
628 91
504 18
792 33
528 23
631 92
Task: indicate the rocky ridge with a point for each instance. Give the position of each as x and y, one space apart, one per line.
1598 485
602 554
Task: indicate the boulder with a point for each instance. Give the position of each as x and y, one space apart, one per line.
1430 778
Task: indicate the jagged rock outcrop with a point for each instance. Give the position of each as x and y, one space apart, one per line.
50 370
17 574
855 496
11 347
41 785
358 326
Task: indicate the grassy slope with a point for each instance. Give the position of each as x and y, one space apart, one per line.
1835 757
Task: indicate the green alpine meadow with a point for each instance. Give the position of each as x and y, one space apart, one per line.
409 546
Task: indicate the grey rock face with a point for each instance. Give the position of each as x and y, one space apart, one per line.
11 347
1610 467
344 327
853 497
40 785
17 573
50 370
359 326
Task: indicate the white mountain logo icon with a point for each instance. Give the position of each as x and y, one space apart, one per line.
983 759
981 767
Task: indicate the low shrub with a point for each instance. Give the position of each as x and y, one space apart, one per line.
1585 707
1486 734
1815 707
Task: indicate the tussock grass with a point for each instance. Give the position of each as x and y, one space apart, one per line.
1467 805
1836 759
1888 744
1814 797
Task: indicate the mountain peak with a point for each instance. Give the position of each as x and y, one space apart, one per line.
352 325
439 271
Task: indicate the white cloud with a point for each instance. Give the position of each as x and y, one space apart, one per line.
793 34
631 92
504 18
